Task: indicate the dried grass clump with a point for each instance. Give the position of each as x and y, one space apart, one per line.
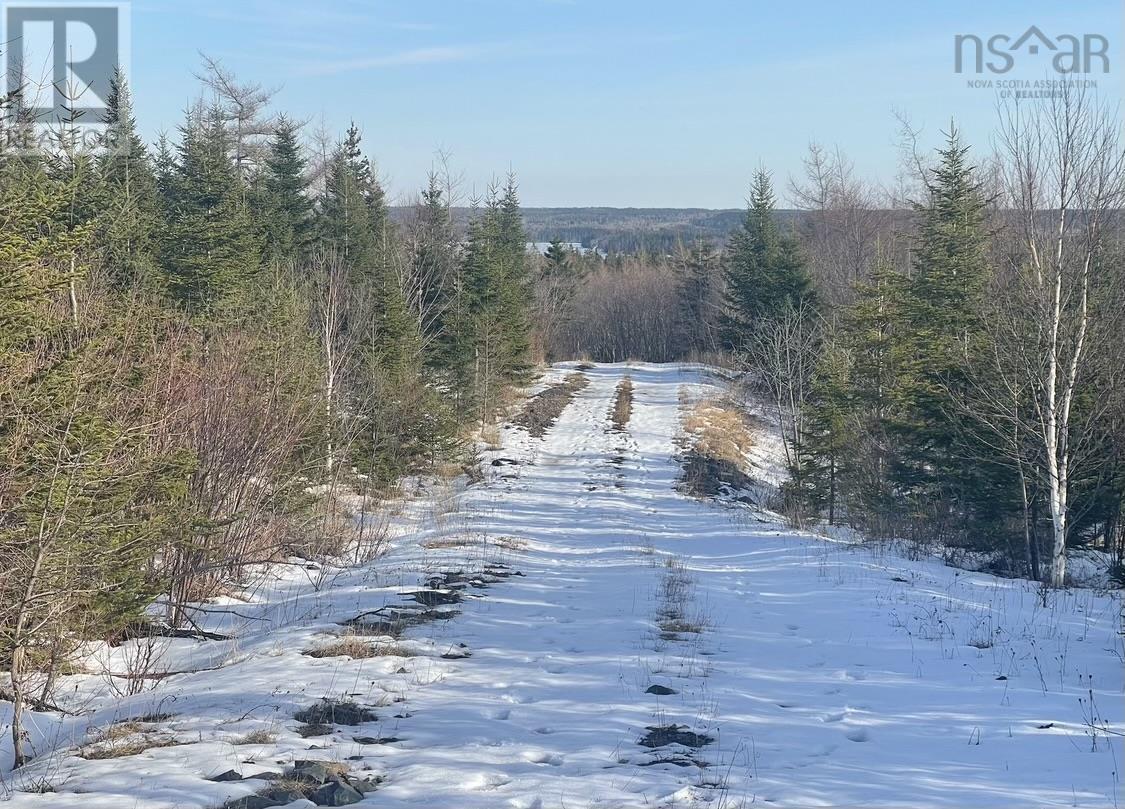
124 739
358 648
720 429
622 405
260 736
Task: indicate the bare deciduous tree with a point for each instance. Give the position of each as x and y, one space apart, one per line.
1064 180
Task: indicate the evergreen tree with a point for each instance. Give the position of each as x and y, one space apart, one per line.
513 277
490 345
698 271
941 328
210 253
287 207
353 219
764 270
434 265
85 497
558 260
824 455
130 214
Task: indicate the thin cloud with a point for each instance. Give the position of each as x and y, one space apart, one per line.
415 56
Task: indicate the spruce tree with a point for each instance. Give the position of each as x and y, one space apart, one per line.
941 328
210 252
697 279
764 271
130 201
434 265
514 279
287 207
353 216
558 259
824 454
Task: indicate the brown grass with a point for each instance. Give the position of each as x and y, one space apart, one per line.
124 739
622 405
358 648
473 541
717 436
255 737
720 429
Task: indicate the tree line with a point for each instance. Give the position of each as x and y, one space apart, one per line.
943 356
952 383
214 353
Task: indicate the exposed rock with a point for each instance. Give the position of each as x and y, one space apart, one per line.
674 734
335 712
335 793
375 739
229 775
435 598
661 690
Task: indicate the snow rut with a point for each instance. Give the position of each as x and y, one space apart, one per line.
626 646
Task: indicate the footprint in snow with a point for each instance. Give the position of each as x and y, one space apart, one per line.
857 735
500 714
835 716
542 757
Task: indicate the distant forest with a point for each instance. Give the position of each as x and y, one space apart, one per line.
657 231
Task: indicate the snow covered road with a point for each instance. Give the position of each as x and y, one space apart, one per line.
798 671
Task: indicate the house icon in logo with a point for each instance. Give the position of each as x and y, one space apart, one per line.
1033 33
1068 53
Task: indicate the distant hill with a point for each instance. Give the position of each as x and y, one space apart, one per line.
624 230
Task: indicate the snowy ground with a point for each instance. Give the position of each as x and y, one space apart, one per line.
824 673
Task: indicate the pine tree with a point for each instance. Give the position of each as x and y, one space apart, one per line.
210 253
287 207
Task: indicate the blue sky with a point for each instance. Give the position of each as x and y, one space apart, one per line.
604 102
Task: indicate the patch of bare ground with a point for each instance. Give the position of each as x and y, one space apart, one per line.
471 541
122 739
622 409
358 648
544 408
717 435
